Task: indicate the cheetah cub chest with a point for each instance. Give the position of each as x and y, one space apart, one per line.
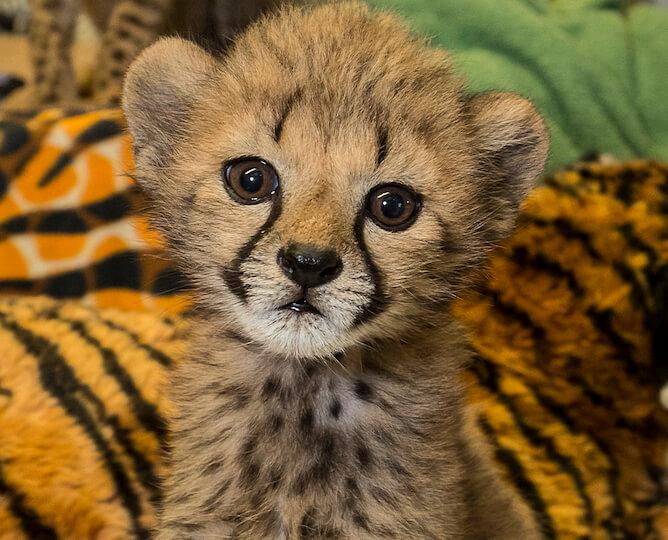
328 188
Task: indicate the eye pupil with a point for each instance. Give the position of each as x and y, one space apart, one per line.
392 206
252 180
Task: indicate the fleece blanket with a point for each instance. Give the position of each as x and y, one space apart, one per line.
596 70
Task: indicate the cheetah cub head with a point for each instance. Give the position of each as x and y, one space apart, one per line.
327 182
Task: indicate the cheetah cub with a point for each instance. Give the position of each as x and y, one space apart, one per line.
328 188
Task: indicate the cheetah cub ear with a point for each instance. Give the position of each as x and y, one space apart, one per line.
159 93
512 147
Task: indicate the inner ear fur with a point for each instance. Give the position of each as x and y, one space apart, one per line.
158 94
512 141
512 144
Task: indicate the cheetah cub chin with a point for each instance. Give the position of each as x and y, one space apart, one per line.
328 188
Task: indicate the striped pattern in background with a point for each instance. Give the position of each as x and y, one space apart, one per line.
70 221
569 334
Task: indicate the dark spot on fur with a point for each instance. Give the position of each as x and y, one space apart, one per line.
386 532
352 487
180 498
383 496
363 391
364 456
335 408
327 445
271 387
274 523
306 421
182 526
384 437
275 478
213 501
307 527
214 466
240 397
300 483
311 370
275 424
361 520
399 469
249 446
249 474
321 470
425 128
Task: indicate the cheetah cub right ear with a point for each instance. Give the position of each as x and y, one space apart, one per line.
512 149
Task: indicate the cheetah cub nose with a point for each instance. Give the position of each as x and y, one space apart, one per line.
309 266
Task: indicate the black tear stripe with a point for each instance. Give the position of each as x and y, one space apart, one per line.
232 275
58 380
287 107
378 301
31 524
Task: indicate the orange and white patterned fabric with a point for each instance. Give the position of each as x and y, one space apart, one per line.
69 222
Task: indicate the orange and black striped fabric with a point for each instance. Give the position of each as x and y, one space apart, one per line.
70 218
569 335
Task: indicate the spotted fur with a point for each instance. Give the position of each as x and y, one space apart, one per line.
350 423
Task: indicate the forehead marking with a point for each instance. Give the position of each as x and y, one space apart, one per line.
287 106
382 136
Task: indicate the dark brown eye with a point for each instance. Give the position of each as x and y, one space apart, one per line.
393 207
250 180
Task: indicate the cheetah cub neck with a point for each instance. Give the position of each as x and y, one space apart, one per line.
328 188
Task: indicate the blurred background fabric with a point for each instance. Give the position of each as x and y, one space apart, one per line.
596 69
568 330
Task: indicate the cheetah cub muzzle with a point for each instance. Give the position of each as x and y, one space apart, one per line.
328 188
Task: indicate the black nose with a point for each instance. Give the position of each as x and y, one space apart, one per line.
309 266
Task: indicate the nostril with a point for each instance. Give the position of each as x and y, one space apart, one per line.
331 271
309 266
286 262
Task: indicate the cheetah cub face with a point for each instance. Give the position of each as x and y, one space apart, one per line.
327 182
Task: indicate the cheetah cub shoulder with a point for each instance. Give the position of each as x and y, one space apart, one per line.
328 189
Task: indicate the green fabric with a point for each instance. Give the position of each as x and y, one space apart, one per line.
598 72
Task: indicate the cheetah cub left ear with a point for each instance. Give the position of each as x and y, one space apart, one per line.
160 89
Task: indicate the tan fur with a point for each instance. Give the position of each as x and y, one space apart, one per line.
350 424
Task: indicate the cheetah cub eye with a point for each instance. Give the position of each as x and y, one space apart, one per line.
393 207
250 180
